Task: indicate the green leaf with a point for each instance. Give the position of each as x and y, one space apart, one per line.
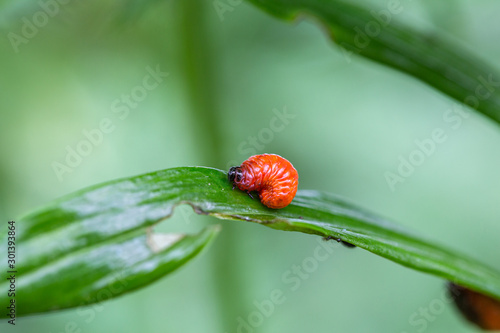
93 244
428 56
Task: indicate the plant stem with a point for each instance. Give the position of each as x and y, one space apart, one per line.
198 70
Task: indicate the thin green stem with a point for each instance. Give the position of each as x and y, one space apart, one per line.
198 70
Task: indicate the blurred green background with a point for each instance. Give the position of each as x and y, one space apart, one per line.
350 121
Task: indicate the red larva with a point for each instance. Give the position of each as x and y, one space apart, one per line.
479 309
271 175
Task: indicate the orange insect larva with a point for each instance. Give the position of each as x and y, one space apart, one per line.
271 175
479 309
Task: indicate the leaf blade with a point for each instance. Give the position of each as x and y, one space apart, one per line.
96 271
154 196
430 57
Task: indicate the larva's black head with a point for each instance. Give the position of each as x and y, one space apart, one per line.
234 174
